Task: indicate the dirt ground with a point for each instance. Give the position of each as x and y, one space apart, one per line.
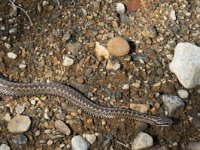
40 49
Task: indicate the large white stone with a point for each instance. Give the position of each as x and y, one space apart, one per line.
186 64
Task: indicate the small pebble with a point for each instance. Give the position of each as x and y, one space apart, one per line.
125 87
11 55
8 46
118 46
20 139
173 15
4 147
79 143
19 109
120 8
113 66
143 108
173 104
101 51
90 137
13 31
74 48
66 36
49 142
19 124
62 127
183 93
45 3
67 61
142 141
136 85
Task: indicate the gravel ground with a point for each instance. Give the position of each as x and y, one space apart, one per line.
60 46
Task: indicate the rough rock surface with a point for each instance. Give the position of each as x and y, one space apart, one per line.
186 64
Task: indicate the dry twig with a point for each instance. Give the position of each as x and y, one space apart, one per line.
15 6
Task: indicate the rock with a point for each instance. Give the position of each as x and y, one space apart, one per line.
120 8
67 61
167 88
4 147
19 109
11 55
90 137
142 141
125 87
173 15
183 93
13 31
20 139
74 48
194 146
19 124
66 37
114 66
45 3
136 85
118 46
79 143
62 127
143 108
124 19
101 51
150 31
185 64
173 104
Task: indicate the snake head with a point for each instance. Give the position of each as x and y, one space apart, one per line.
162 121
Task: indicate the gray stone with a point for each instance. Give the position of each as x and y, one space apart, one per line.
173 104
185 64
19 109
142 141
120 8
19 124
74 48
79 143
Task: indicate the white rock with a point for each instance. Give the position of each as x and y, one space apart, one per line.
19 109
90 137
173 15
172 104
120 8
183 93
79 143
4 147
125 87
185 64
19 124
142 141
67 61
11 55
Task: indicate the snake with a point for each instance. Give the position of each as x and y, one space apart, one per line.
10 88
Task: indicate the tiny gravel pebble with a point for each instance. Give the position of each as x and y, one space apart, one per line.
13 31
79 143
183 93
194 146
113 66
118 46
173 15
142 141
173 104
19 124
62 127
67 61
150 31
74 48
90 137
125 87
4 147
11 55
120 8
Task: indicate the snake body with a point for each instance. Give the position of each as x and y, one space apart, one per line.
78 99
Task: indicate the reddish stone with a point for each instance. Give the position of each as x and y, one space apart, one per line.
133 5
